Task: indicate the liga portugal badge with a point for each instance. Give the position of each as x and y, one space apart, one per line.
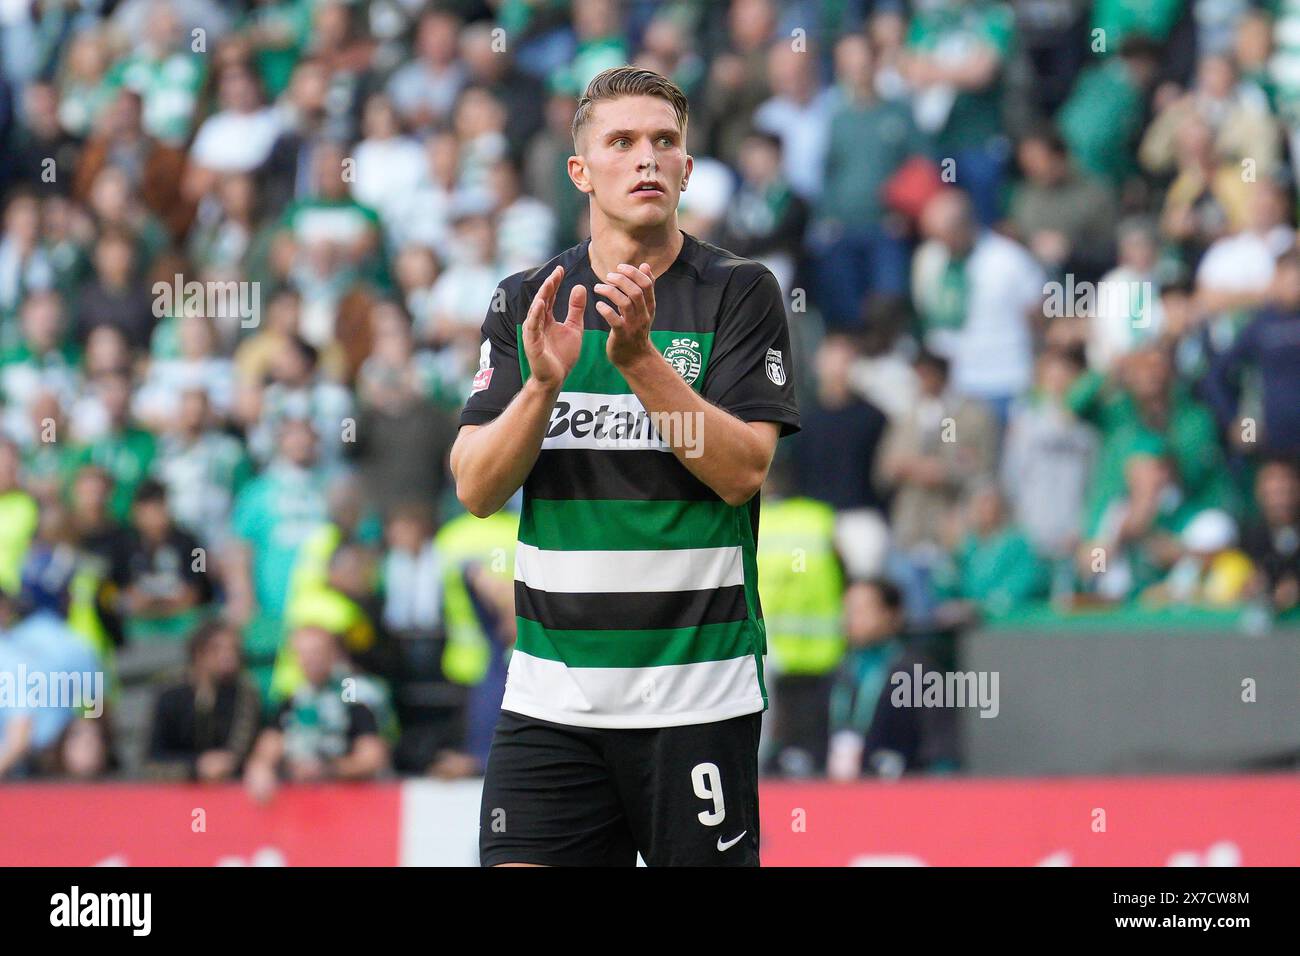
775 368
483 377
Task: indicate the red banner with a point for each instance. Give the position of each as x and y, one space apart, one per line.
1168 821
186 825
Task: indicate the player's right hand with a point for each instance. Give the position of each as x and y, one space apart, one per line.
552 347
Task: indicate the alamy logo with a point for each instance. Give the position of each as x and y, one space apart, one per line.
1130 300
685 358
134 910
922 688
22 689
212 299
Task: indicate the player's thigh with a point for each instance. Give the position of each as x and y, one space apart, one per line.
694 799
548 799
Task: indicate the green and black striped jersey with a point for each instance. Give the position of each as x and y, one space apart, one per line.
635 584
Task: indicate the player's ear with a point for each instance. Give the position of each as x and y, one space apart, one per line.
686 173
577 169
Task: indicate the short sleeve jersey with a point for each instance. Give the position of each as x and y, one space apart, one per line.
635 583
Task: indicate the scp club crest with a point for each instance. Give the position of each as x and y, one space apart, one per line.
685 358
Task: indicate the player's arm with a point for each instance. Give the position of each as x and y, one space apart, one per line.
729 455
489 462
731 449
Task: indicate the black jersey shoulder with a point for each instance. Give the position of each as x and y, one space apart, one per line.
714 265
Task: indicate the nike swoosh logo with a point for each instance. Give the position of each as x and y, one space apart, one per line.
723 847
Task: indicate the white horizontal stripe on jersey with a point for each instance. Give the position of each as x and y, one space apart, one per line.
591 420
667 696
587 572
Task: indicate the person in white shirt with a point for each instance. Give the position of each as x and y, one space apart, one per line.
425 89
800 114
1002 287
389 166
1236 270
469 279
525 226
1127 309
238 139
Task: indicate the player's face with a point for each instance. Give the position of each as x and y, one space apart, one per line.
633 160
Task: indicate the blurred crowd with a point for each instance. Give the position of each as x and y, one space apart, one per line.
1043 289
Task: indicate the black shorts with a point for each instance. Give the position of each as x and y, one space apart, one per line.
582 796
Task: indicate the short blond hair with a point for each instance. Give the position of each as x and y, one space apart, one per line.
620 81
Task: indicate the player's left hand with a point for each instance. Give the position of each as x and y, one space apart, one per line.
632 290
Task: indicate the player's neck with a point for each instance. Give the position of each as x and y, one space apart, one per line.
612 245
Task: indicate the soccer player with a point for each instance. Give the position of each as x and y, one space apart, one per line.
640 428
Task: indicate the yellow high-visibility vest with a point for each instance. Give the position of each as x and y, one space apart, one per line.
490 542
801 585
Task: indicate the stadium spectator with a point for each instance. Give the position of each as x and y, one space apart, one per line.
424 91
197 367
932 456
42 146
203 726
115 296
1146 411
873 628
203 470
1066 219
855 247
115 443
167 77
1048 458
765 220
166 571
1270 348
1236 113
19 516
388 164
1101 119
953 61
835 457
1127 310
327 730
1273 541
43 360
799 113
492 67
83 753
272 516
883 373
737 81
977 292
155 168
995 569
226 237
1209 570
400 431
525 227
34 642
24 265
298 390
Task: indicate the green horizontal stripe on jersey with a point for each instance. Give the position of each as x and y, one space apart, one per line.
595 373
637 648
628 525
